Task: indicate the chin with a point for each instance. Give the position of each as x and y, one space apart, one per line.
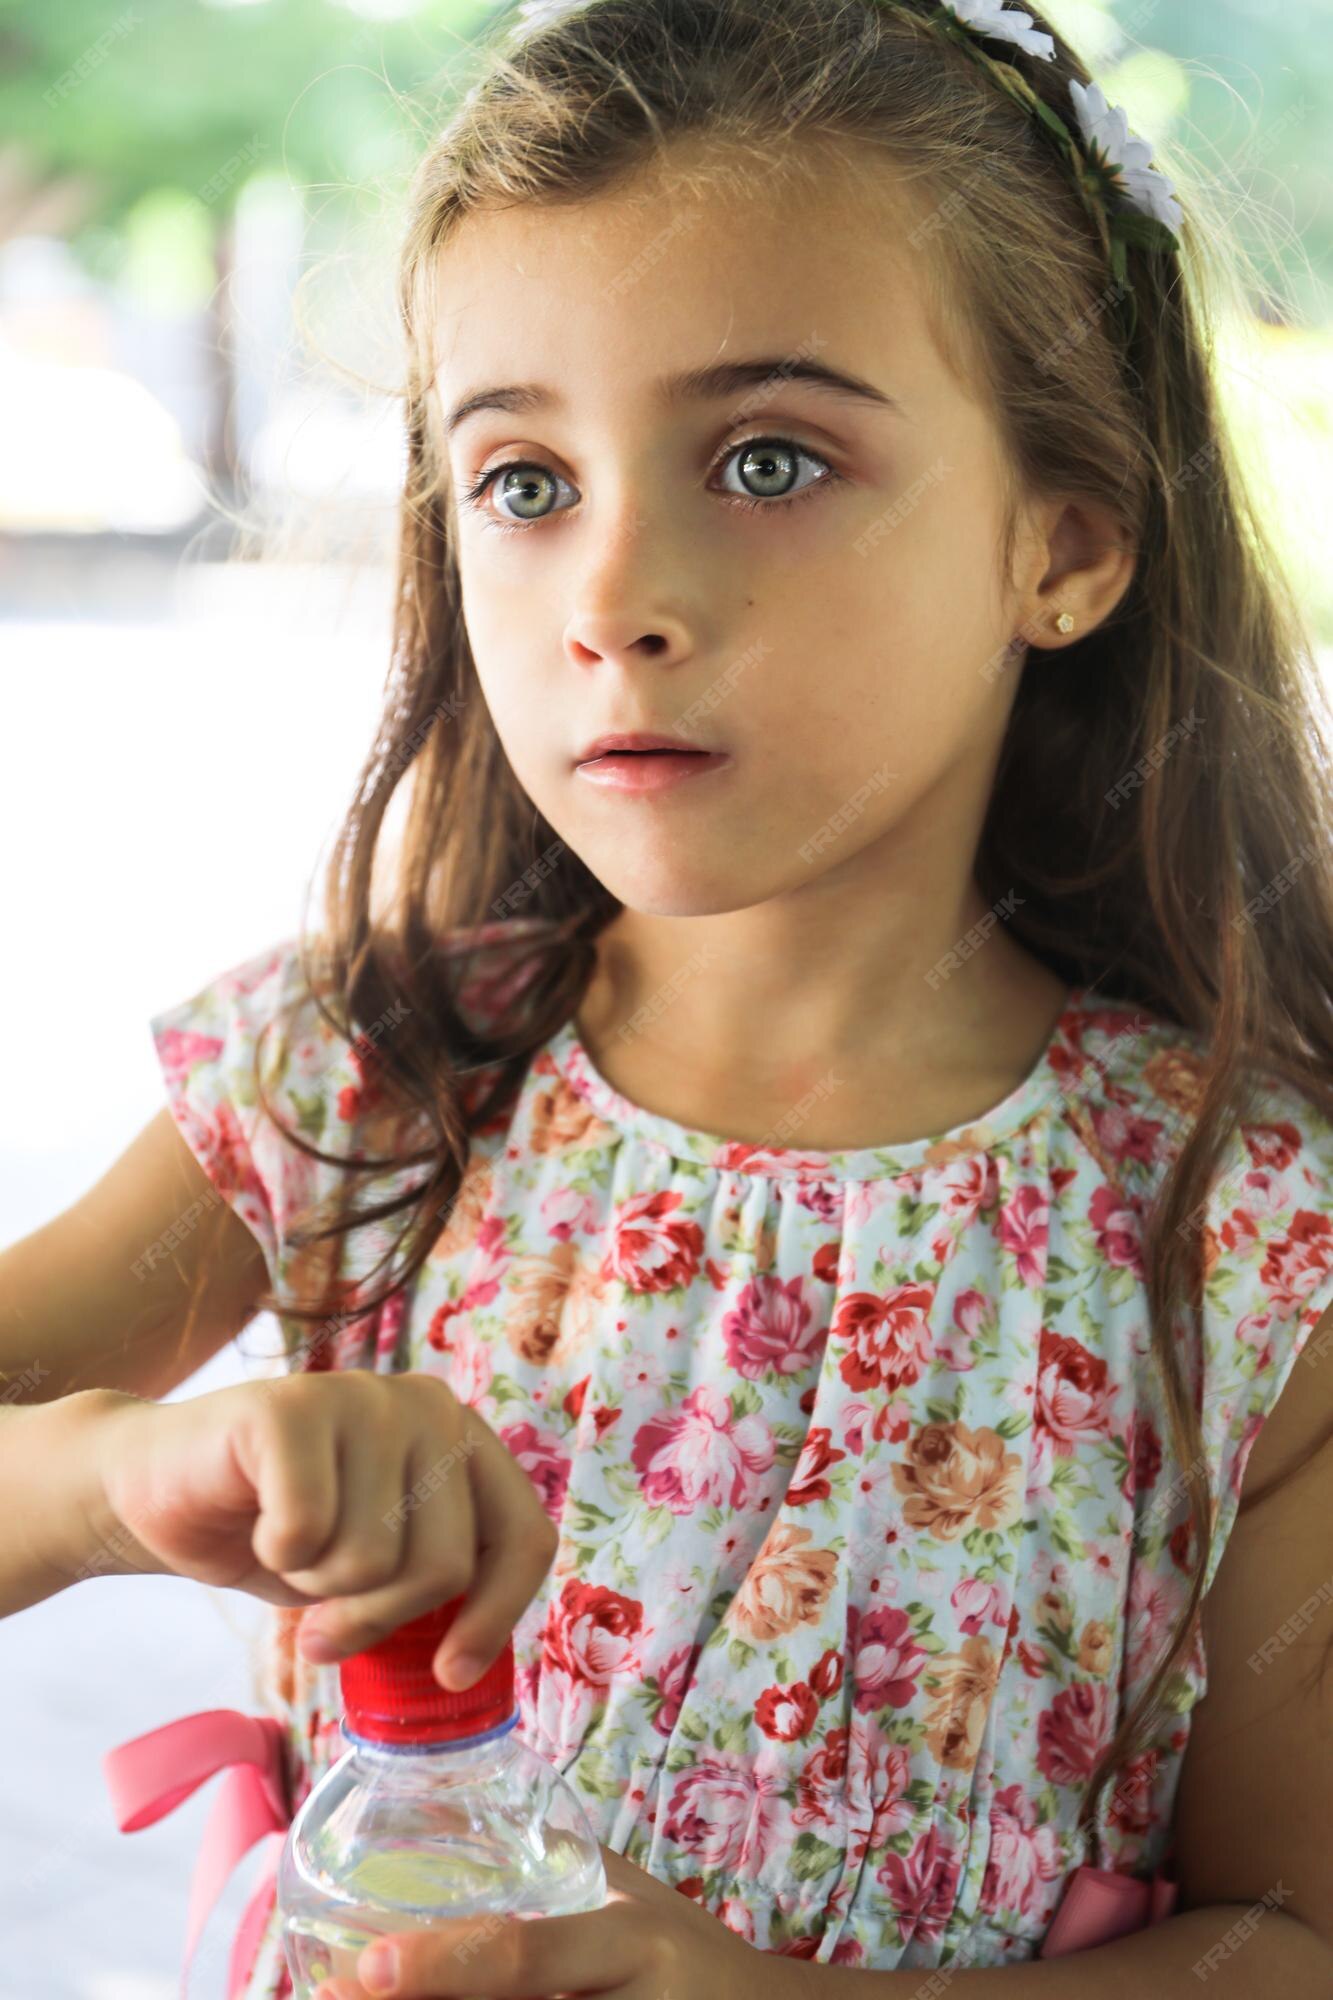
671 885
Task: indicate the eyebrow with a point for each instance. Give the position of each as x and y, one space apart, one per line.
693 385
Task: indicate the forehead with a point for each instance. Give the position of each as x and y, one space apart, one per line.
687 264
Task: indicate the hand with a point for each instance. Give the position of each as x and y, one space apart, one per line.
381 1490
648 1942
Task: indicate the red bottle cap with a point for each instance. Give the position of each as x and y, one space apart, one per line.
391 1695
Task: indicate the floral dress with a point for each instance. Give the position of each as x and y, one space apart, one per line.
869 1522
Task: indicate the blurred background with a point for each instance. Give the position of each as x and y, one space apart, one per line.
198 210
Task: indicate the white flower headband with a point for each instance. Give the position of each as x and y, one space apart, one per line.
1122 158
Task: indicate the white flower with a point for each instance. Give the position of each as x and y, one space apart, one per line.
1106 131
1007 24
540 13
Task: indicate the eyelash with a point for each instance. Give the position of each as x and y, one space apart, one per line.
473 496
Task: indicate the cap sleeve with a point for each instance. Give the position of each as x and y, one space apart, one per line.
1268 1279
207 1047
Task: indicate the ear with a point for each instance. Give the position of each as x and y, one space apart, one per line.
1084 568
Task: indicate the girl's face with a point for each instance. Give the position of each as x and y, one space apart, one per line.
827 608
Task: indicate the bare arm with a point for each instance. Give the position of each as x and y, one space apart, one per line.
52 1505
134 1286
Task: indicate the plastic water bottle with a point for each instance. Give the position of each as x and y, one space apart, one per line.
436 1810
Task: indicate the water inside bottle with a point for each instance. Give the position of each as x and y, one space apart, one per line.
401 1881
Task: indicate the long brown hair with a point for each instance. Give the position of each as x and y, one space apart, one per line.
1151 900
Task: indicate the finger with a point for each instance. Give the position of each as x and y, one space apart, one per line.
515 1547
368 1551
438 1531
294 1474
520 1958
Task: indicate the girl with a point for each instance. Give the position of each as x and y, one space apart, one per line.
869 1164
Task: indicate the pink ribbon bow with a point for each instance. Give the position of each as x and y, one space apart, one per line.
150 1775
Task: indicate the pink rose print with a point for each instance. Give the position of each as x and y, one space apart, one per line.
471 1370
886 1660
1073 1398
920 1886
180 1049
973 1315
1023 1854
673 1682
787 1713
1022 1227
1148 1615
651 1249
979 1603
726 1811
1116 1228
546 1464
1072 1732
698 1456
771 1327
888 1338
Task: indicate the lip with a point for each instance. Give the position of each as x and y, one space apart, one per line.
635 739
656 772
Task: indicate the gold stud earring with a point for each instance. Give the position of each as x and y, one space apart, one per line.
1064 623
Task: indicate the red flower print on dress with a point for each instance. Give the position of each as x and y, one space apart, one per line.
700 1456
826 1674
592 1634
1274 1146
1073 1399
921 1885
1023 1854
544 1460
888 1337
967 1186
807 1481
1298 1261
1072 1732
218 1136
886 1660
855 1784
727 1811
1116 1228
884 1421
772 1326
180 1048
1023 1226
787 1713
650 1249
1035 1660
673 1681
1143 1450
